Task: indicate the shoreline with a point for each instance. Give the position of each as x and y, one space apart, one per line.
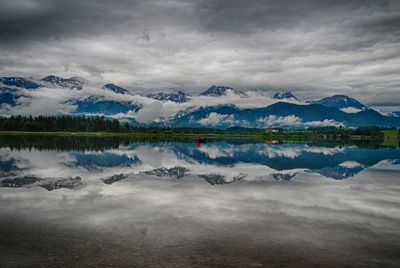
190 136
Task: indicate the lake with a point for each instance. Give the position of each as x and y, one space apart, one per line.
98 202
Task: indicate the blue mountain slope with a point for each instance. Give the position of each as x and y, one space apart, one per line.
341 101
9 96
304 157
115 88
19 82
104 160
99 105
178 97
339 172
253 117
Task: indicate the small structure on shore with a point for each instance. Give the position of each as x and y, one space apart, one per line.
274 130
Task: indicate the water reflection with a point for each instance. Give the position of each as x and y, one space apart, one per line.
217 163
181 204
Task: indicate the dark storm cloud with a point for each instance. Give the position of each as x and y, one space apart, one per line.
38 19
314 47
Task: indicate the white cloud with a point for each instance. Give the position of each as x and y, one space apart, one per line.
215 118
293 121
213 151
293 152
150 112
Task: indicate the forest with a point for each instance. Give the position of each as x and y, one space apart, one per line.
66 123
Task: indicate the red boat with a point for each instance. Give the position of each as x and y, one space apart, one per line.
199 139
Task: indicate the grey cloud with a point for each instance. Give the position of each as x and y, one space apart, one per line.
52 19
38 19
312 47
240 16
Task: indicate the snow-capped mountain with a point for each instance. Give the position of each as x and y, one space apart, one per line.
285 96
343 102
178 97
72 83
218 91
48 81
114 178
58 183
218 179
283 176
115 88
177 172
46 183
19 181
218 107
20 82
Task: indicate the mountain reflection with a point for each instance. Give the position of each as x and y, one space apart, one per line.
216 162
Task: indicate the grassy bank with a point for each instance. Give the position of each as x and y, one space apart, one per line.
287 135
66 140
160 135
386 137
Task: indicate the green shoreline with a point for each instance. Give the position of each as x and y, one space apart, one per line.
290 135
132 134
251 134
103 140
74 126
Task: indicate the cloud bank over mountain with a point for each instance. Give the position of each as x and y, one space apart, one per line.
218 106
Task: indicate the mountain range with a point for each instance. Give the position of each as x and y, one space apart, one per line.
217 107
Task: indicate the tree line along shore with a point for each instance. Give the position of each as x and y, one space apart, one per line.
102 126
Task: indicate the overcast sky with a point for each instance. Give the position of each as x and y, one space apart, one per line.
314 48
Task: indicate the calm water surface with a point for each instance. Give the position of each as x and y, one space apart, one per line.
104 202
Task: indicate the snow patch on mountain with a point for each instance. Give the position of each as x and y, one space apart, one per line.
350 164
351 110
395 114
